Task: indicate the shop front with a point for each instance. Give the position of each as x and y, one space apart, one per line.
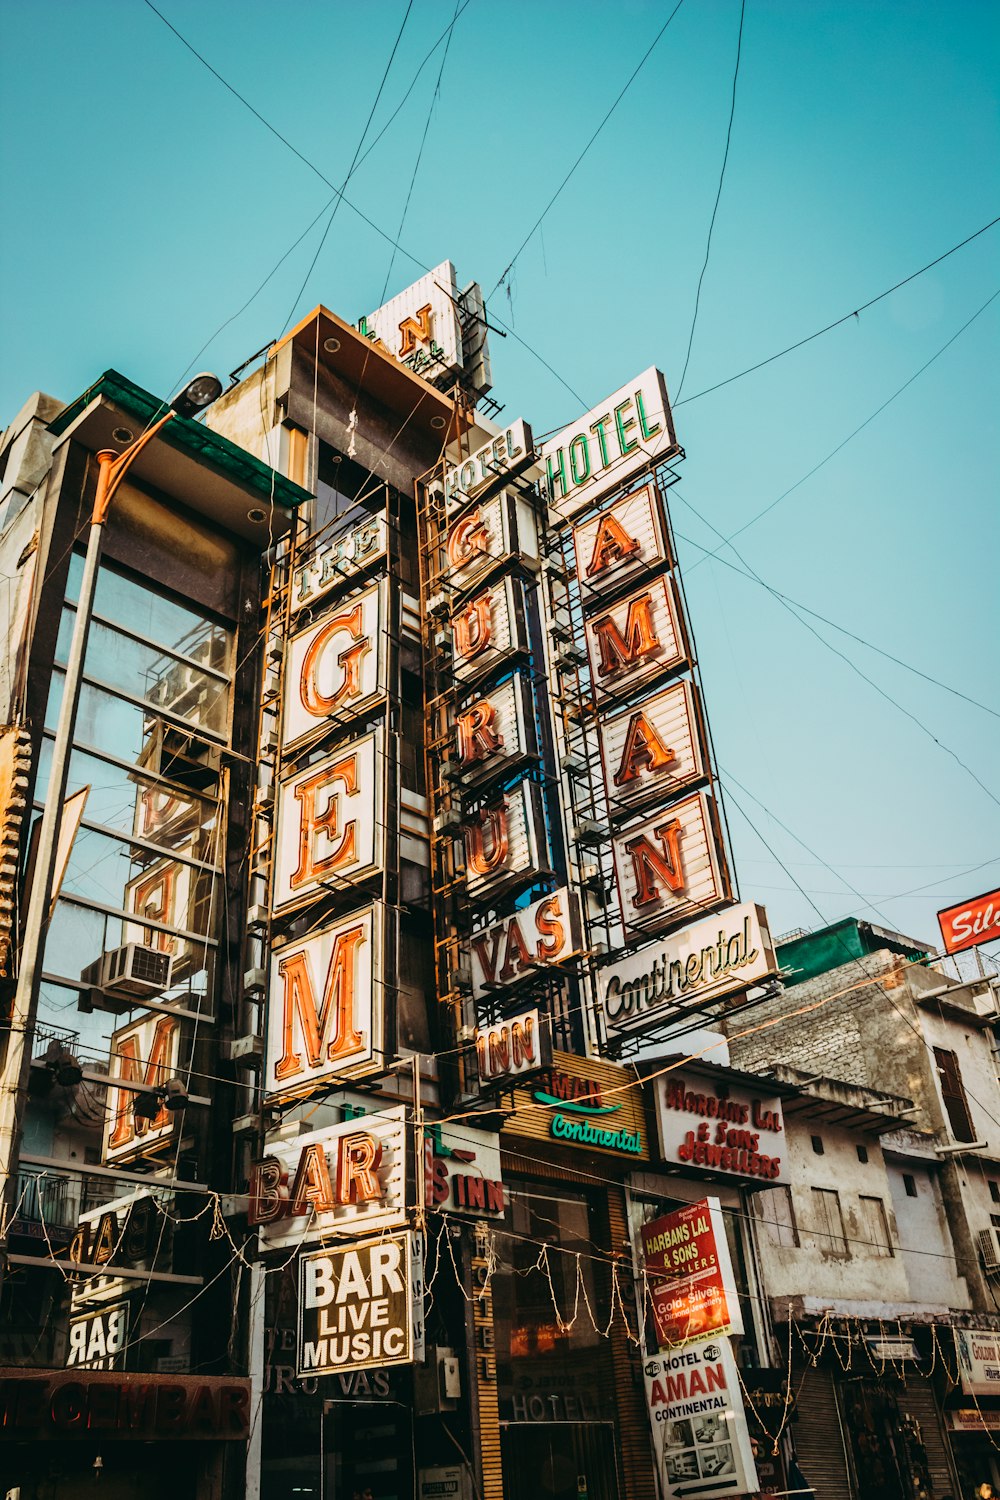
569 1383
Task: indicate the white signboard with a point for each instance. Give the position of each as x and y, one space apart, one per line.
462 1171
420 326
524 944
494 730
719 1126
509 450
336 667
700 964
636 641
603 450
486 534
504 841
99 1340
345 1179
511 1047
146 1053
699 1425
654 752
978 1353
326 1005
356 1307
330 822
625 538
669 866
487 628
338 560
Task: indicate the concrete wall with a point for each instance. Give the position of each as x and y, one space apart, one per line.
926 1249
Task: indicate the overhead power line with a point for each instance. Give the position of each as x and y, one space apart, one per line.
715 207
631 79
846 318
851 435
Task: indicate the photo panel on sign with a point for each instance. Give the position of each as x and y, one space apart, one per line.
330 822
655 751
495 731
625 540
486 534
670 866
607 447
345 1179
488 628
144 1055
325 1017
336 667
636 641
505 841
338 560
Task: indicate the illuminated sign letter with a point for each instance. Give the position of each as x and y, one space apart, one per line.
268 1190
643 750
326 823
485 855
312 1186
473 628
619 651
611 544
467 537
477 739
358 1160
151 1073
349 660
648 862
414 331
328 1033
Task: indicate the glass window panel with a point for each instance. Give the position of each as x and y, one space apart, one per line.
132 733
131 803
132 604
78 936
146 672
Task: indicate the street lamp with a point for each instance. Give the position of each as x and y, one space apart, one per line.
112 468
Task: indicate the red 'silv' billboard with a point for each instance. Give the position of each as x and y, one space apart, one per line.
689 1272
971 922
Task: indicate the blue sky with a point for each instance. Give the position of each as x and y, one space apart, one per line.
144 205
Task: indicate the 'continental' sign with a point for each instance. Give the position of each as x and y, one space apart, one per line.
581 1102
703 962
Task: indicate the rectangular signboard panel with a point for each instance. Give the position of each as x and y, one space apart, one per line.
486 534
326 1005
345 1179
698 1421
636 641
505 841
978 1353
462 1171
603 450
420 326
669 866
971 922
487 629
495 730
713 1125
655 751
624 539
696 966
509 450
521 946
337 561
336 667
99 1340
356 1307
690 1284
512 1047
330 822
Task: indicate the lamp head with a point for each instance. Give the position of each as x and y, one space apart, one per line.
175 1095
147 1105
197 394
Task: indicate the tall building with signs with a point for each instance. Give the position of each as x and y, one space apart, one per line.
375 1048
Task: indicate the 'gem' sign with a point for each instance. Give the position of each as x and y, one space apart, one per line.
330 822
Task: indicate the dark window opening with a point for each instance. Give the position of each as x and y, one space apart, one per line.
994 1190
817 1145
909 1184
862 1154
953 1093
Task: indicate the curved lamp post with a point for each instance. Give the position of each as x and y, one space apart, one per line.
112 468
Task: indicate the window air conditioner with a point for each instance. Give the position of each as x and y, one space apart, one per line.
136 970
988 1252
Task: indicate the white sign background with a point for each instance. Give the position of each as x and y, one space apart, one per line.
368 1007
580 442
360 809
698 1422
672 717
496 960
640 517
388 1128
446 329
748 1108
338 561
524 848
669 655
506 629
511 703
978 1353
328 672
703 883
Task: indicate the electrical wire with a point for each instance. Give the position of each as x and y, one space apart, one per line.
715 206
846 318
851 435
631 79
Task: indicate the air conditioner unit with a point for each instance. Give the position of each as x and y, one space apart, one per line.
569 657
136 970
989 1254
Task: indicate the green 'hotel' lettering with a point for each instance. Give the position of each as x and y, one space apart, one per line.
644 426
579 446
560 458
